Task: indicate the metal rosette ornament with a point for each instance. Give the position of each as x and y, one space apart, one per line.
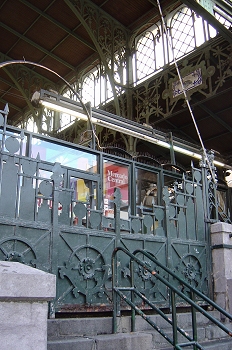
87 272
191 271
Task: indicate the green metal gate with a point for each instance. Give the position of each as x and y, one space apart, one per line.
63 219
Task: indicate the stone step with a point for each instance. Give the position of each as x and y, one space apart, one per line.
96 333
103 325
225 344
126 341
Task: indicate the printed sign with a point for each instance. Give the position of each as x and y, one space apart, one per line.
115 175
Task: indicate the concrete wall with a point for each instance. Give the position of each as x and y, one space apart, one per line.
24 296
221 241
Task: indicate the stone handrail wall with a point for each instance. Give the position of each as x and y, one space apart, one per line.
24 296
221 241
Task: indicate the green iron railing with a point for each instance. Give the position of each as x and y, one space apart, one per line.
119 293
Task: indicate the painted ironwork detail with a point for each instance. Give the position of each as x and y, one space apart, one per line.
95 220
147 283
45 226
87 272
80 212
109 34
143 273
28 81
9 179
18 250
136 225
27 191
192 269
44 210
155 98
210 181
149 224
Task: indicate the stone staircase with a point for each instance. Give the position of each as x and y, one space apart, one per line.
95 333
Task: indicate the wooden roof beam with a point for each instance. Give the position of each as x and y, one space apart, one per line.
58 24
42 49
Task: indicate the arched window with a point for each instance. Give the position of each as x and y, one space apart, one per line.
188 31
152 52
149 56
89 91
96 87
145 59
31 125
182 32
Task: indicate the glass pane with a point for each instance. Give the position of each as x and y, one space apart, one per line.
88 88
145 56
146 189
69 157
115 176
182 31
83 190
223 16
222 203
173 184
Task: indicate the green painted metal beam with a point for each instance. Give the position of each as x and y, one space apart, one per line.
7 82
209 18
96 43
213 115
4 58
225 6
19 87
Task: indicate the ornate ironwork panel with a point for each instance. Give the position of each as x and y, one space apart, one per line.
59 219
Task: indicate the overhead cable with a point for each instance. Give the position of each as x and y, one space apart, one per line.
184 92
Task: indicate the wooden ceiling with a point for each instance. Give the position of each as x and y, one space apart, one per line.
49 33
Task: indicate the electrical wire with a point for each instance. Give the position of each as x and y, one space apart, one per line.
184 92
7 63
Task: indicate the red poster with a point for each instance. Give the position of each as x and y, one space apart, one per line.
115 176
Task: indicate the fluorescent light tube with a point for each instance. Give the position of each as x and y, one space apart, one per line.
58 107
62 109
216 162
